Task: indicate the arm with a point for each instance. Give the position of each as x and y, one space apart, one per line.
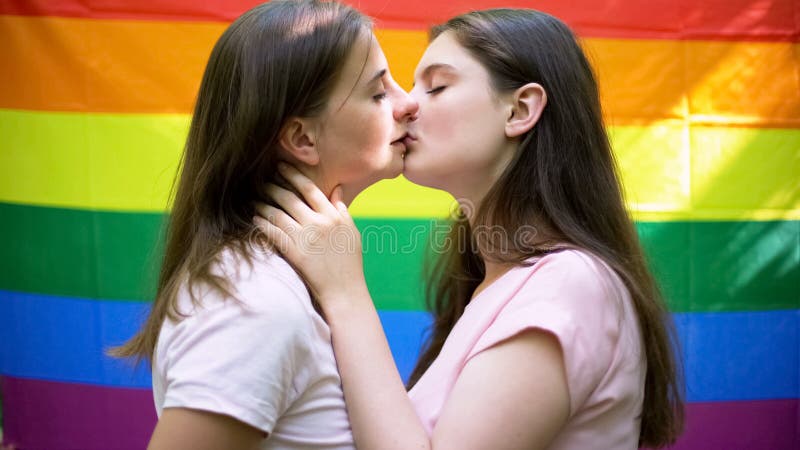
190 429
381 415
511 395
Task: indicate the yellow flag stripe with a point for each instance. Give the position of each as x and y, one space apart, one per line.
126 162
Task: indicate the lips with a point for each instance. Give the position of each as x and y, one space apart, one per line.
405 139
400 140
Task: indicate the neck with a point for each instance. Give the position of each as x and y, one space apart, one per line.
495 270
469 192
327 184
492 269
470 187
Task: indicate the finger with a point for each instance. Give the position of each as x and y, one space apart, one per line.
275 236
336 199
278 218
336 195
291 204
310 192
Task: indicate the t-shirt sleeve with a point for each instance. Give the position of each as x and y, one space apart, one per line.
568 297
247 359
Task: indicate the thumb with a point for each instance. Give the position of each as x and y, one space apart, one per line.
336 199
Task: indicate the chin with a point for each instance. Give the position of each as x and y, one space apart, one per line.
394 167
420 176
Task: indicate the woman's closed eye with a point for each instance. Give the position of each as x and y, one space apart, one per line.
436 90
379 97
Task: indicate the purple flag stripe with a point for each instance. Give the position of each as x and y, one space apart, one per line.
54 416
58 416
751 425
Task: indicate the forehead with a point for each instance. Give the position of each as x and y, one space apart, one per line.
364 59
365 54
445 50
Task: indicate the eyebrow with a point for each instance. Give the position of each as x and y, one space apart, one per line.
434 67
378 75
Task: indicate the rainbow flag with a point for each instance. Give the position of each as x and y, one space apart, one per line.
702 99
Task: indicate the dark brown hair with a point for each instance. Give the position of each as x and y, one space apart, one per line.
278 60
563 182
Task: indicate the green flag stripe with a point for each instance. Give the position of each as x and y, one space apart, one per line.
702 266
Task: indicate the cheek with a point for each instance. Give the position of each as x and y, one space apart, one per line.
438 127
441 124
457 135
363 127
359 142
370 122
460 126
379 126
373 131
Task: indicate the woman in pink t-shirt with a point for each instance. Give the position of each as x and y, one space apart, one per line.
549 329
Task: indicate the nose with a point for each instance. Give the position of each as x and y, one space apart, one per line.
406 106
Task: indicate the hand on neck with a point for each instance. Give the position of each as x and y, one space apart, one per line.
327 182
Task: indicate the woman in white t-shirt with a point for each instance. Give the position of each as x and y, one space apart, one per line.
240 356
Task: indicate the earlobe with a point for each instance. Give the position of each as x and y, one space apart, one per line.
297 138
528 103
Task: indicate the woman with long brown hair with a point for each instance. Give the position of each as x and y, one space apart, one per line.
549 330
240 357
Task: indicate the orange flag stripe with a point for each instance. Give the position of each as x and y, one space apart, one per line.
64 64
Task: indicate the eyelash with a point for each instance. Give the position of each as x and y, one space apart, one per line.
436 90
380 96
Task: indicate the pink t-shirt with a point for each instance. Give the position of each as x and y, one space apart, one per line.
575 296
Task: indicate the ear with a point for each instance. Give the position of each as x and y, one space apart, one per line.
298 139
527 104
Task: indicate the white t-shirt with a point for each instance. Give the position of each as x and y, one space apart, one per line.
265 359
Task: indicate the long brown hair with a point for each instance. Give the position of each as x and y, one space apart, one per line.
563 182
278 60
